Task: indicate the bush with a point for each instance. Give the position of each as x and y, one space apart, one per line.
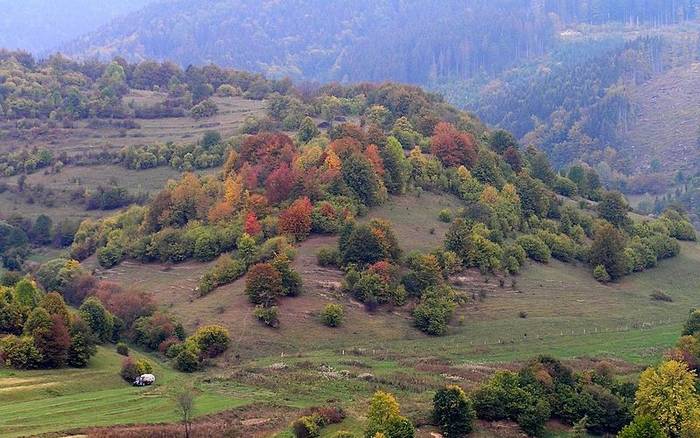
533 418
600 274
453 412
445 216
19 352
212 340
267 315
264 284
642 427
535 248
306 427
187 360
560 245
131 369
400 427
226 270
204 109
328 257
122 349
332 315
435 310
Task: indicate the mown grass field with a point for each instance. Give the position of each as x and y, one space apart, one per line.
35 402
556 309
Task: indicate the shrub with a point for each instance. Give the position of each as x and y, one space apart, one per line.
122 349
187 360
659 295
19 352
643 427
131 369
109 256
206 108
445 216
332 315
296 220
226 270
533 418
601 274
328 257
291 280
306 427
267 315
264 284
212 340
435 311
560 245
535 248
453 412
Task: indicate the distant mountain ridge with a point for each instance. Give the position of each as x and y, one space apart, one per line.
40 26
412 41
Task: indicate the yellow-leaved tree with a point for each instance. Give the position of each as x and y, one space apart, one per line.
384 418
667 394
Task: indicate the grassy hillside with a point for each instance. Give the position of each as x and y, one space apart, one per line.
667 120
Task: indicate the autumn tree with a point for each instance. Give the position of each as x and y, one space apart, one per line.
513 158
384 418
263 284
296 220
280 183
252 225
267 150
453 147
667 394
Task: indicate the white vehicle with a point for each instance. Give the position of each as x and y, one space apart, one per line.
145 380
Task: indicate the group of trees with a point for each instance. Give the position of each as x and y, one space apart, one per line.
43 332
39 331
59 88
274 190
209 152
19 234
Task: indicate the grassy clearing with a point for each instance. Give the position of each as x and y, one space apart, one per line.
35 402
232 112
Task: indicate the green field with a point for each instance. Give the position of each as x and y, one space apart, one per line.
34 402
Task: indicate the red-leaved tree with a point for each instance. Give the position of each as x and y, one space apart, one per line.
252 225
453 147
296 220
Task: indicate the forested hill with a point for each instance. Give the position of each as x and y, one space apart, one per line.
42 25
409 41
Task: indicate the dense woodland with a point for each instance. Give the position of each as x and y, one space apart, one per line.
406 41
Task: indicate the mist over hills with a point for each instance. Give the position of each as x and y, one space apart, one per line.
40 26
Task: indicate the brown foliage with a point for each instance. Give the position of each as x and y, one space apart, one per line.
296 220
453 147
